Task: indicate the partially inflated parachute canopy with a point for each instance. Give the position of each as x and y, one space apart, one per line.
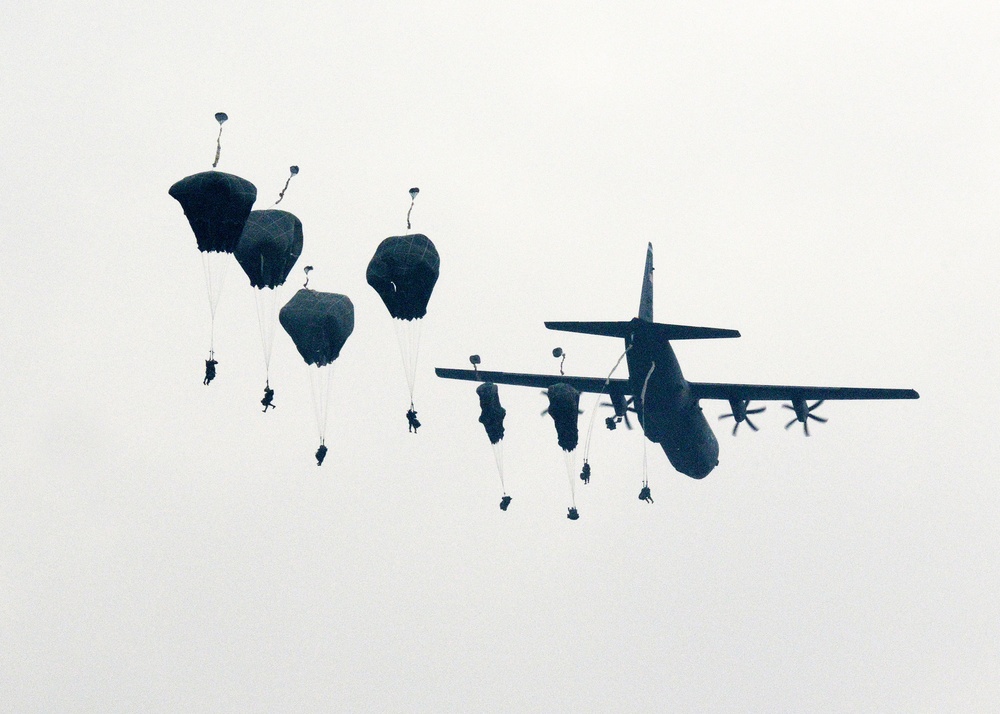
564 408
216 205
318 323
270 245
493 413
403 272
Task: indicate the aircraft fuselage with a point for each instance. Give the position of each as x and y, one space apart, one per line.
668 414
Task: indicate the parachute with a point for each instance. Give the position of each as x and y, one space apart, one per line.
267 251
492 413
292 171
269 246
491 418
222 118
403 272
564 408
216 205
319 325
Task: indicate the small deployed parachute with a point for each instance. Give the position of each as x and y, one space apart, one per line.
413 199
319 325
222 118
561 356
216 205
292 171
267 251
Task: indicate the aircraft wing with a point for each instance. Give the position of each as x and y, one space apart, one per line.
541 381
771 392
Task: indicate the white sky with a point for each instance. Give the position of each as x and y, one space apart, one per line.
822 177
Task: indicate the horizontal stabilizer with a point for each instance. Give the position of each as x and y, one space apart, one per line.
605 329
657 329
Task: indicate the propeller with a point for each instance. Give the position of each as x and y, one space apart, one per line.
739 413
803 413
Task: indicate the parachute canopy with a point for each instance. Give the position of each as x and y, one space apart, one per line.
564 408
270 245
403 272
216 205
493 414
318 323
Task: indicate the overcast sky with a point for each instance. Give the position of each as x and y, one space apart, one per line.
823 177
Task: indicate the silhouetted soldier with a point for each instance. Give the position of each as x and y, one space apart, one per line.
585 474
320 454
573 514
645 495
504 502
411 417
268 397
210 369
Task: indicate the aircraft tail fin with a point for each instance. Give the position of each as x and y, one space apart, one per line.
643 324
646 299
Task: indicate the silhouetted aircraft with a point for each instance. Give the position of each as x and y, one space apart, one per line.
666 404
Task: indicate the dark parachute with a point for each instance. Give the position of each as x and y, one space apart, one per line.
318 323
267 251
216 205
564 408
403 272
492 413
269 246
492 418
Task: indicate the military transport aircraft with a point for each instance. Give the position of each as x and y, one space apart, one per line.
666 403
